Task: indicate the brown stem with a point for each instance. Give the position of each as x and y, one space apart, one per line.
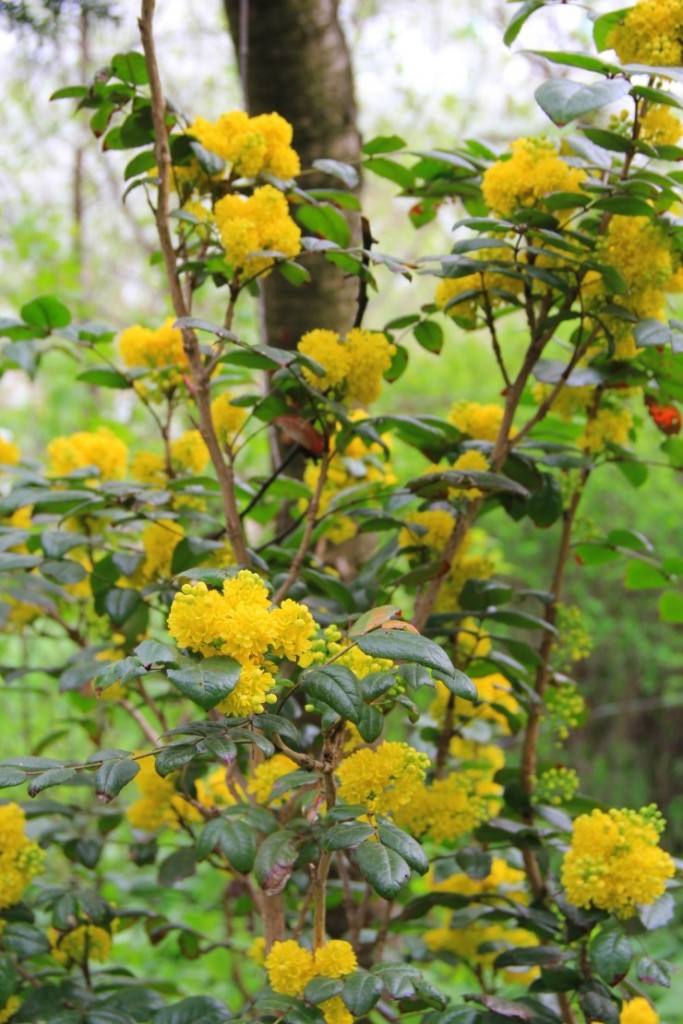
138 717
200 374
309 526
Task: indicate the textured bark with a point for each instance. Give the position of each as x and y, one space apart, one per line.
296 62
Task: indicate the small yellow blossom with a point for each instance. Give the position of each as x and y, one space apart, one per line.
660 126
532 172
156 349
9 452
290 967
382 780
264 777
638 1011
609 426
159 540
227 418
261 222
9 1009
651 32
189 453
148 468
335 959
21 859
101 449
251 145
492 690
87 942
430 529
353 366
481 422
615 862
470 460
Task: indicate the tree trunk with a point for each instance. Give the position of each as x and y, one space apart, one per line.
295 61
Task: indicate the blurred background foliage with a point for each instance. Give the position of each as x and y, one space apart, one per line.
433 79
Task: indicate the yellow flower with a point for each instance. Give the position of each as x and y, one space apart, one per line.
101 449
265 776
148 468
257 951
87 942
481 422
290 967
472 640
638 1011
568 402
335 1011
21 859
614 861
382 780
610 426
189 453
492 690
470 460
159 540
651 33
353 366
227 418
9 1009
480 943
532 172
502 879
251 145
9 452
156 349
434 528
335 959
160 806
261 222
660 126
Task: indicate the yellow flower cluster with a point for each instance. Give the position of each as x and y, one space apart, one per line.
467 566
502 880
564 709
651 33
479 944
358 464
568 402
660 126
614 861
382 780
9 1009
472 640
353 365
21 859
638 1011
227 418
290 968
87 942
189 453
449 808
329 644
159 540
160 806
239 622
470 460
148 468
493 691
160 350
481 422
251 145
101 449
428 529
9 452
574 642
214 791
265 776
261 222
527 177
609 426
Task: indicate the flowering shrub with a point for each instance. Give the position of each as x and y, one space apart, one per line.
346 716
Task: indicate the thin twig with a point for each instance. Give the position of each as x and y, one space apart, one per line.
310 521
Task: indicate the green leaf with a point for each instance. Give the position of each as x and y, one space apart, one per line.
103 377
348 834
56 543
70 92
564 101
322 988
399 841
611 141
8 978
532 956
670 607
11 777
643 576
207 682
112 776
178 865
120 603
385 168
274 861
611 954
430 335
385 870
10 562
152 652
517 21
52 777
383 144
234 838
398 978
195 1010
140 164
345 172
118 672
336 686
361 991
659 913
579 60
651 332
130 68
371 723
295 273
401 645
650 972
373 618
173 757
626 206
325 221
24 940
46 314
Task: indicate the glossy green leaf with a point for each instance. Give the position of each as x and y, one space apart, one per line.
348 834
399 841
208 681
336 686
112 776
385 870
361 992
46 314
611 954
564 101
401 645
